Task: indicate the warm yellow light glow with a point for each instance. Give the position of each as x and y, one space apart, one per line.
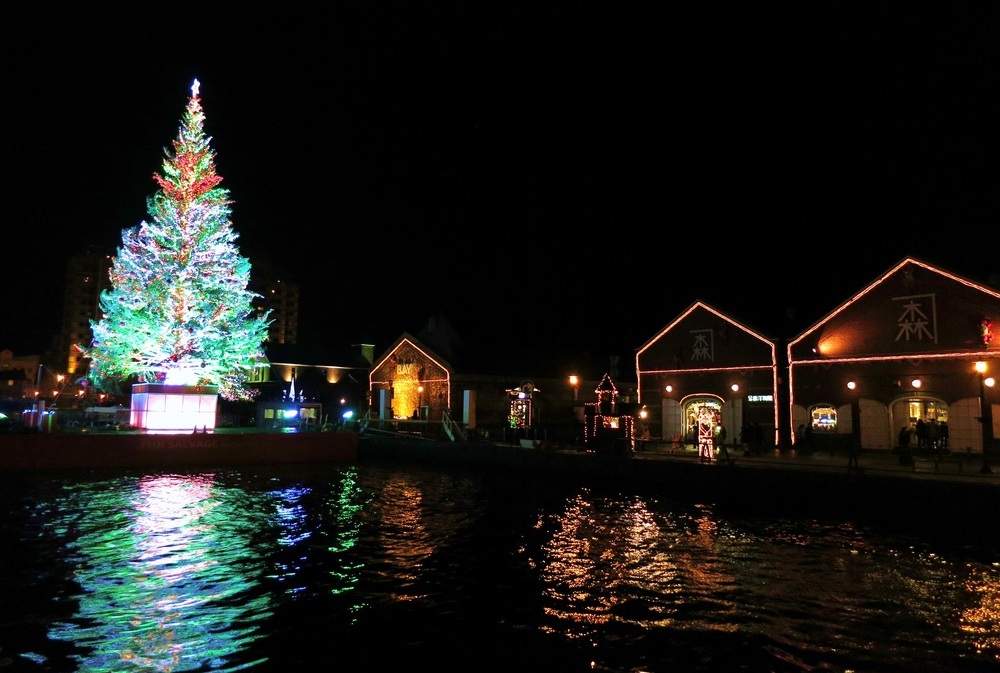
851 385
916 383
574 379
833 344
989 382
981 367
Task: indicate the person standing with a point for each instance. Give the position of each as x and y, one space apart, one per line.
904 446
921 432
932 435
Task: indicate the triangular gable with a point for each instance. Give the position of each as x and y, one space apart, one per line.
406 350
606 386
702 337
914 309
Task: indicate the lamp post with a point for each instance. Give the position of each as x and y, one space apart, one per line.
735 388
574 382
855 447
985 415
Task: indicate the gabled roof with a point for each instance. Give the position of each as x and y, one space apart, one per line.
726 343
413 342
912 309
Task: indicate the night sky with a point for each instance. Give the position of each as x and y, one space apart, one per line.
573 177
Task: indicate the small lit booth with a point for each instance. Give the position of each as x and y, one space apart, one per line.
909 360
705 372
521 413
291 413
161 407
609 426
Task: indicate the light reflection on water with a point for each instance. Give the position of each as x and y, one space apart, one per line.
375 566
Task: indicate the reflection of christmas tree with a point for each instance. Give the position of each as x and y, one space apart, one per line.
179 311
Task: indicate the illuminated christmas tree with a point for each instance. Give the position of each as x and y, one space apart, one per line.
179 311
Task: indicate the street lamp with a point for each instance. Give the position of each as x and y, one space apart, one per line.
732 416
574 381
855 447
985 415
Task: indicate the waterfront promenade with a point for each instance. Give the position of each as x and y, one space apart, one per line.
961 467
953 495
952 467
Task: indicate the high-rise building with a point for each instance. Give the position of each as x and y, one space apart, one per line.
86 277
279 296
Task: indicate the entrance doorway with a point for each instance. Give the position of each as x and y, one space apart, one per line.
697 408
926 419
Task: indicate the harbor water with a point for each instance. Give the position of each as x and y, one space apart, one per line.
378 567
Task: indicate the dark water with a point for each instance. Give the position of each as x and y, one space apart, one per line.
383 568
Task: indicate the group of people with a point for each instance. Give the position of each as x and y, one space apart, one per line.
930 435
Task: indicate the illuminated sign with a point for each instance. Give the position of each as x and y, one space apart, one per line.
760 398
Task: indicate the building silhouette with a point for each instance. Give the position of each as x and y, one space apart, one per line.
86 277
280 297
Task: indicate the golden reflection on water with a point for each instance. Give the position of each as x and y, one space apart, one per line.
627 562
982 620
406 543
598 560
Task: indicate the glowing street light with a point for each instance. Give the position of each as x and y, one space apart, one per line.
985 415
855 448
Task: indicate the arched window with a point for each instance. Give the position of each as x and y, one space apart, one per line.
823 418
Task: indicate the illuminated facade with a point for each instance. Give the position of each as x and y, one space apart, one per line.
902 350
410 382
704 362
300 387
414 388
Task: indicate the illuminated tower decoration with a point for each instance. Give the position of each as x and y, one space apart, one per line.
708 425
521 411
179 316
607 425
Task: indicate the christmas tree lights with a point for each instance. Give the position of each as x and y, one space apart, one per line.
179 311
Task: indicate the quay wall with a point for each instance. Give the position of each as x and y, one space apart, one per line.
147 450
